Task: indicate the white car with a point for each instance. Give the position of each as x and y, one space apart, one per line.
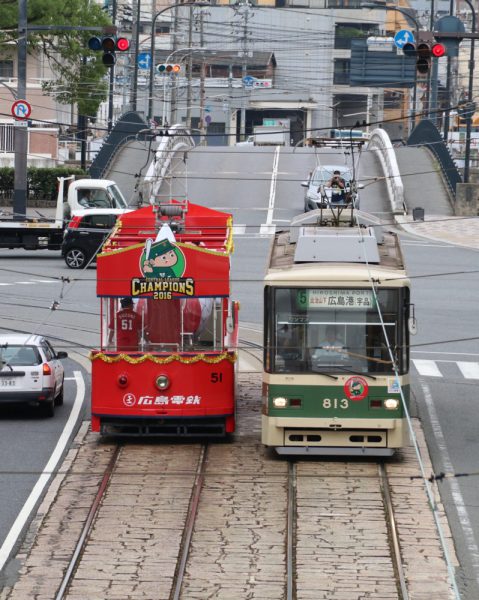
31 372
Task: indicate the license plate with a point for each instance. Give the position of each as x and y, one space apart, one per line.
8 382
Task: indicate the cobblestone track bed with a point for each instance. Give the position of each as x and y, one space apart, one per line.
238 549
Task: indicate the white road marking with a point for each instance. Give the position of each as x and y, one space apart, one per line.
267 227
239 229
25 282
427 368
46 280
47 473
459 503
470 370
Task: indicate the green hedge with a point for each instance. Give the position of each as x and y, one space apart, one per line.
41 183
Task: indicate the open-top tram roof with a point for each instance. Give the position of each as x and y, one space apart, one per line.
212 229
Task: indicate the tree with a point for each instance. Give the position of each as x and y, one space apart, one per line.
79 77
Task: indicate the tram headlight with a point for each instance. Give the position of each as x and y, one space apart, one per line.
280 402
391 403
162 382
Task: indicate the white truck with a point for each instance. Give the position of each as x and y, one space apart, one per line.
42 233
271 135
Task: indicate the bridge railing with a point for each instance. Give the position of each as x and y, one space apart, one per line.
178 139
381 144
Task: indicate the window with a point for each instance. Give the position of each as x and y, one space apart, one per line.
314 330
6 69
345 32
341 71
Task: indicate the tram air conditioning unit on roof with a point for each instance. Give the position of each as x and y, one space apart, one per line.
333 245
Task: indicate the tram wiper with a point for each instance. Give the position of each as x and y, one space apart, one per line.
327 374
354 372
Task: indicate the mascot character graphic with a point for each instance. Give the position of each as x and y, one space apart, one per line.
162 260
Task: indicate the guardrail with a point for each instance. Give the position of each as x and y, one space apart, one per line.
381 144
178 139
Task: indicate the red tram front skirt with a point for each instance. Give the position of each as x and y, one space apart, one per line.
175 395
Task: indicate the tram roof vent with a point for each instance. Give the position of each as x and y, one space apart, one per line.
336 245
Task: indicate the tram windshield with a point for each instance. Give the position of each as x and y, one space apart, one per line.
176 325
324 330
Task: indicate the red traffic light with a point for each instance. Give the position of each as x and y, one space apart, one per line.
122 44
438 50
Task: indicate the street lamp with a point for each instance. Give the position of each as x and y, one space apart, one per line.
417 26
467 155
152 47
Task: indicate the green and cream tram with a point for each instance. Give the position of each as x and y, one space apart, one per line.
336 358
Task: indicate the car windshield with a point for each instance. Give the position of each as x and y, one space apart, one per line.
323 174
118 199
20 355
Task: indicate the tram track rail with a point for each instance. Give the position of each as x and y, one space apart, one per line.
83 539
189 525
393 533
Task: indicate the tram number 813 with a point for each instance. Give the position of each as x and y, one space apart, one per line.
335 403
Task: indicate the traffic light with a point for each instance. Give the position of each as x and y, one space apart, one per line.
109 44
168 69
424 50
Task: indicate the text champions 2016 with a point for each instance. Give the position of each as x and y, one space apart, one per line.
164 288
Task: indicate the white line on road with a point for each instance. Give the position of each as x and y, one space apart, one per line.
239 229
465 521
44 478
470 370
427 368
268 228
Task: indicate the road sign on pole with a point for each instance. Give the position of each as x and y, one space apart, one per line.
248 81
144 60
21 109
403 37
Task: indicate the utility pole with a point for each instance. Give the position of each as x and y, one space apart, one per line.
21 132
112 76
243 9
134 87
189 69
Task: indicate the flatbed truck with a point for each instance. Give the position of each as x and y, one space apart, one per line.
42 233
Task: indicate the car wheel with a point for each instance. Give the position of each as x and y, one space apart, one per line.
76 258
59 397
48 408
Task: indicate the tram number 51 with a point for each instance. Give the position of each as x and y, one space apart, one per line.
335 403
216 377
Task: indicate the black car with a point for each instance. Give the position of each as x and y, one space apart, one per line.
85 234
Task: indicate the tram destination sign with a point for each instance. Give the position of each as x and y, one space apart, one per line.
335 298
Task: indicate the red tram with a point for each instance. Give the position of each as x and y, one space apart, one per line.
167 358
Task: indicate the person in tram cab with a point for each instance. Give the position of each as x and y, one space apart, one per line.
331 347
338 185
127 323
